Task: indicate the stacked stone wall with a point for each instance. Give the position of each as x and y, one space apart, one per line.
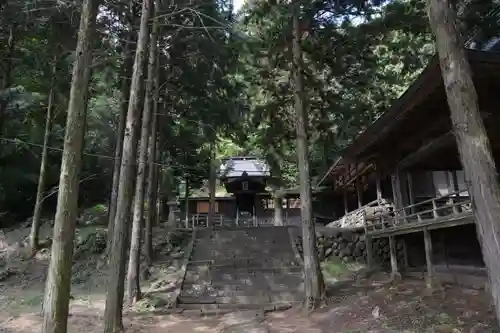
349 245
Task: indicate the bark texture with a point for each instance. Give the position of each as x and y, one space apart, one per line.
212 183
6 74
472 140
133 286
126 72
153 170
57 290
186 203
115 286
313 278
279 219
277 190
37 212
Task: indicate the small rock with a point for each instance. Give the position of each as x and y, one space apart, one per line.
376 312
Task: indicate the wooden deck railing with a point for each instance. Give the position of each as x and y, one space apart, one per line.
446 207
201 221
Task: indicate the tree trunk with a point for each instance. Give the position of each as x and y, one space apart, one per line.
152 192
37 213
186 203
115 287
212 183
277 190
125 91
279 219
57 290
472 140
133 285
161 171
314 284
6 77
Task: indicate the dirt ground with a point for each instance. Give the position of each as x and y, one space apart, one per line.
366 305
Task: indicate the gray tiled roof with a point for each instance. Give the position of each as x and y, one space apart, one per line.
236 166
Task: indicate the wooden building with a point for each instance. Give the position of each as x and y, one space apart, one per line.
404 175
249 203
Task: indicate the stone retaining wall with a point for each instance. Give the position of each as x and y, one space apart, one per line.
349 245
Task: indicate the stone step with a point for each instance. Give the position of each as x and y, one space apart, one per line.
241 276
242 268
290 295
204 266
283 260
234 281
222 289
269 299
209 308
244 246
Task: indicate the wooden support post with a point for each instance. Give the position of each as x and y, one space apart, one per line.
379 188
411 194
359 193
346 206
428 258
397 195
395 275
434 209
454 177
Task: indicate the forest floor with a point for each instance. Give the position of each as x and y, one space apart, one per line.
354 305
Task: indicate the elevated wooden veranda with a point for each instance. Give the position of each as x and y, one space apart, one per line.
409 157
444 211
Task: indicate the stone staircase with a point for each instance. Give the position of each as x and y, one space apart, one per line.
242 268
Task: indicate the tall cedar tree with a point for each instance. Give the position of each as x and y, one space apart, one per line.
37 212
212 183
126 73
115 288
314 284
133 286
472 140
153 168
57 290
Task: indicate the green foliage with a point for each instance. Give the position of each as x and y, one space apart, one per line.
224 80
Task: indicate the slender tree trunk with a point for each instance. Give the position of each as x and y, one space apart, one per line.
37 213
115 287
6 77
126 70
133 285
186 203
314 284
472 140
162 194
278 208
57 290
277 190
152 192
161 172
212 183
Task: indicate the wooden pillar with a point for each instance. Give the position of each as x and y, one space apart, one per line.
394 259
428 258
396 194
409 180
378 184
395 190
456 188
359 193
346 207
